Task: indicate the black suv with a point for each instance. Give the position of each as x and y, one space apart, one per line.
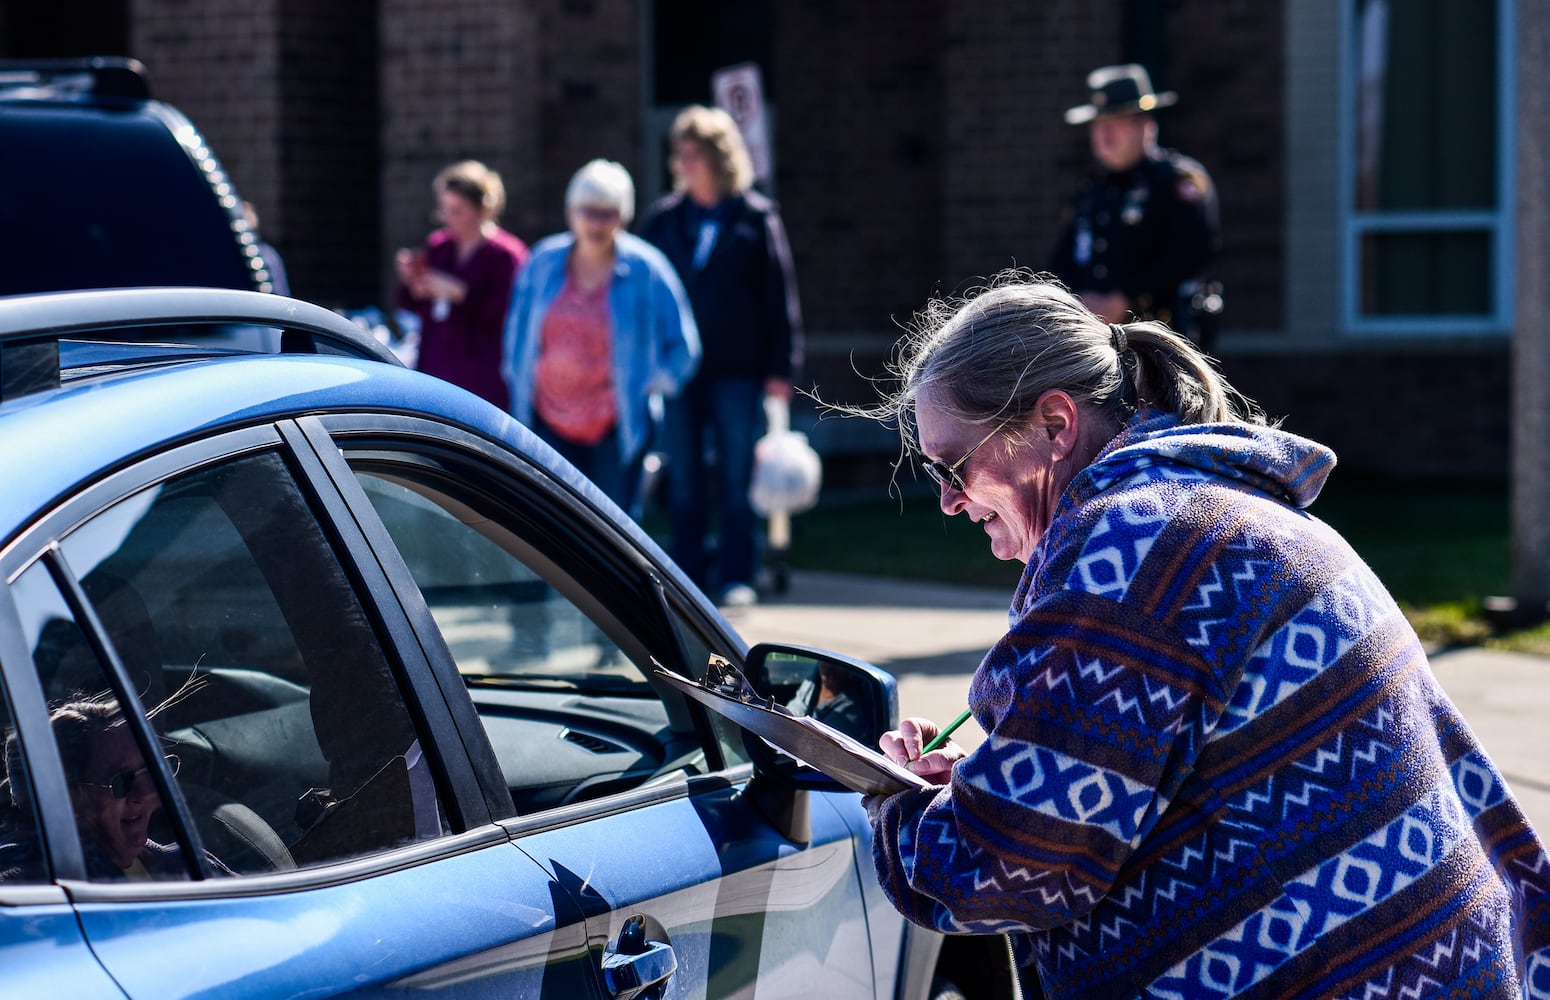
103 187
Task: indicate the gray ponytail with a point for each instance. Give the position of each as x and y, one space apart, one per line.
989 355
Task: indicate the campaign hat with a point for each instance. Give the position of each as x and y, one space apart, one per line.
1119 90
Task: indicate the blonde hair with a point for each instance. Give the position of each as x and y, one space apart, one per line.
718 137
476 184
603 183
990 354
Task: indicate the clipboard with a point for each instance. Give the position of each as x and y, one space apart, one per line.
848 761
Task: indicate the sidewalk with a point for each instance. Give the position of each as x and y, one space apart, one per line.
931 637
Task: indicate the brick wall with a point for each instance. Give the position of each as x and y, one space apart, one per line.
534 89
459 79
589 97
219 63
328 209
920 145
1230 115
860 143
1010 71
284 92
1390 412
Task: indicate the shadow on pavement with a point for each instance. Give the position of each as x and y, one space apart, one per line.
832 590
938 665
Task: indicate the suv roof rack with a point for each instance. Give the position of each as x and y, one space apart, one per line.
93 76
31 326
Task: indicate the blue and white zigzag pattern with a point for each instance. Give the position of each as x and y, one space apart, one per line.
1074 790
1117 546
1319 900
1317 636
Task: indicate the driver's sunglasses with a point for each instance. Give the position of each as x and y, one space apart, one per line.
951 476
121 784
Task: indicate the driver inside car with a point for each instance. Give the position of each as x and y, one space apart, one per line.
113 794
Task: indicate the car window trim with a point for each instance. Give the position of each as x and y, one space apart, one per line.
364 543
432 465
86 501
709 738
332 874
686 786
418 436
424 448
89 498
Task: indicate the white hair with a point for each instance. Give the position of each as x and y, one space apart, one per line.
603 184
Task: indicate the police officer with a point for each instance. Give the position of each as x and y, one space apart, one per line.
1137 240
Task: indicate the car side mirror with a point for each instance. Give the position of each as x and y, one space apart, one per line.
858 699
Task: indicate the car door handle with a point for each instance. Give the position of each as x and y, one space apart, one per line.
632 965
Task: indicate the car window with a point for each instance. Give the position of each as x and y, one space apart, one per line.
114 794
569 710
253 655
503 623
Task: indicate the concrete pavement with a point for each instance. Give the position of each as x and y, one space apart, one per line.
932 636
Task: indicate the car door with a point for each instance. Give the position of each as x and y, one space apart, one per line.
636 802
301 814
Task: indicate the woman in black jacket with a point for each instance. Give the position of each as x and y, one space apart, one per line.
729 248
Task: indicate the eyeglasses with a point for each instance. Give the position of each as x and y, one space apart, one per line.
949 475
598 213
120 785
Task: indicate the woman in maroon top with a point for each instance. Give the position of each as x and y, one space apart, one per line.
460 283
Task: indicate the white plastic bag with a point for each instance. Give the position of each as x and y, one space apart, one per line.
787 472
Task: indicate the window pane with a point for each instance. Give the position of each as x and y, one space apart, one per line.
21 853
267 677
44 619
1426 105
569 714
1426 274
115 797
500 619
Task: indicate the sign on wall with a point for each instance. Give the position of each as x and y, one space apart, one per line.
739 90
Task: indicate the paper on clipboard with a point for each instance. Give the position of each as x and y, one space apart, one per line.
846 760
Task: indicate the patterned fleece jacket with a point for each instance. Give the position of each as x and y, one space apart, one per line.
1218 763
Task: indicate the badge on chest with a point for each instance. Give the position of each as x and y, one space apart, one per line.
1135 205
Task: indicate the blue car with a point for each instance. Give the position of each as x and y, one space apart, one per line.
323 677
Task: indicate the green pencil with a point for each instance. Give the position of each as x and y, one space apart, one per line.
941 737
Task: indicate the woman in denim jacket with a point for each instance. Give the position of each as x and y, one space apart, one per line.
598 331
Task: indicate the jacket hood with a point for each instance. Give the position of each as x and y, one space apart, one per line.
1283 465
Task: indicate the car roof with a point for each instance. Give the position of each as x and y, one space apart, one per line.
63 426
61 438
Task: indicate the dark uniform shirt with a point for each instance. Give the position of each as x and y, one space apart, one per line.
1142 232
